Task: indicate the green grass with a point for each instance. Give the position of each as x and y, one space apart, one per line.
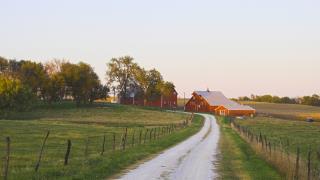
82 125
238 160
286 111
100 113
298 133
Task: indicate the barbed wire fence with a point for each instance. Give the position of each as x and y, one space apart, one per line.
51 152
292 161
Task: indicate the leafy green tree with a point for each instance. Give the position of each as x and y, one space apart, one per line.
99 92
81 79
120 71
142 79
54 88
155 80
33 75
287 100
14 95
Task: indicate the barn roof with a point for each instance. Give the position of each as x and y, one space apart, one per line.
216 98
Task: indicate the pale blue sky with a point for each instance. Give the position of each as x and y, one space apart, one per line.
236 46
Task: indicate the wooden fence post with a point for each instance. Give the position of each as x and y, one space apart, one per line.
86 150
150 134
133 138
309 163
103 143
66 157
270 149
296 174
124 140
7 159
145 136
41 151
114 142
140 134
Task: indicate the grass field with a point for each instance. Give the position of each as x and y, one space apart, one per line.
286 111
287 138
238 160
86 127
298 133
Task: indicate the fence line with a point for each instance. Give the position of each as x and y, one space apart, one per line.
91 145
291 164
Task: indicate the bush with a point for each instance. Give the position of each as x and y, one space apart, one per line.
14 96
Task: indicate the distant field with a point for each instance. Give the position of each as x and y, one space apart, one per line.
181 102
86 128
286 111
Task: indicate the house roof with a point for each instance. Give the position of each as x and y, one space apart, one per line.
216 98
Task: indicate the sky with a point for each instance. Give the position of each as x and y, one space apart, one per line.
237 47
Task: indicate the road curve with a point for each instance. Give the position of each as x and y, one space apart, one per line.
192 159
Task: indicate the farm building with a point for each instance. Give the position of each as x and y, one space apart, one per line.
169 102
216 102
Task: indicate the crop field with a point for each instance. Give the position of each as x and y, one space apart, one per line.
97 136
286 111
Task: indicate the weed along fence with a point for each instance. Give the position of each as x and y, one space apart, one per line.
291 160
48 151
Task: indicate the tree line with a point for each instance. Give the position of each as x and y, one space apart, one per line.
313 100
24 82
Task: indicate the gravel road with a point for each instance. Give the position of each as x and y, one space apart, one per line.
193 159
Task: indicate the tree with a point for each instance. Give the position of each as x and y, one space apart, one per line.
120 71
166 89
54 86
287 100
99 92
4 64
311 100
154 81
145 80
33 75
245 98
53 67
81 80
14 95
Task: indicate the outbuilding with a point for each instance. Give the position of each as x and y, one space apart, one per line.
215 102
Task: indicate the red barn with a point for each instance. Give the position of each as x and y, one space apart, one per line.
216 102
168 102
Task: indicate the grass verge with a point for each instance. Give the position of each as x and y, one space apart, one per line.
238 160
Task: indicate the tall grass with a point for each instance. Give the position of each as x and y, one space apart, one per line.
292 164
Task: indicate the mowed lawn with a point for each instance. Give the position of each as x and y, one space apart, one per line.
286 111
91 131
